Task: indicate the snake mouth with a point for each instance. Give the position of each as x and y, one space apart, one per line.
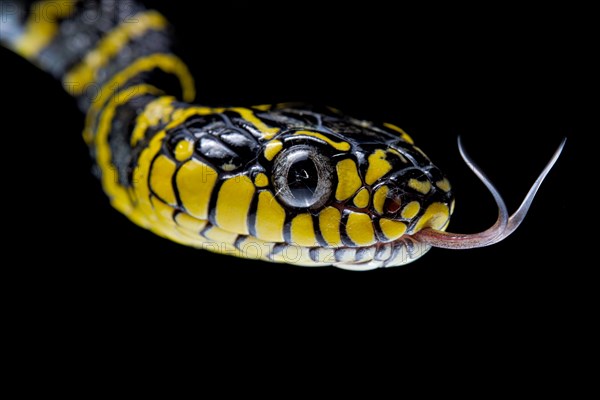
204 235
401 251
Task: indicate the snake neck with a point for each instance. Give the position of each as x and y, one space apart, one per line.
96 49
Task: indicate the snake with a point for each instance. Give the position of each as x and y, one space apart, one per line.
282 183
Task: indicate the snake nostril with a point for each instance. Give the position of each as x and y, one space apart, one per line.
393 205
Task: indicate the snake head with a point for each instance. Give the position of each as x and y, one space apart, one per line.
351 190
362 196
290 185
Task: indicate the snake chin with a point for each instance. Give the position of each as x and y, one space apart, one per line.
399 252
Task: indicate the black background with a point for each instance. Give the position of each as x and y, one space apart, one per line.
511 81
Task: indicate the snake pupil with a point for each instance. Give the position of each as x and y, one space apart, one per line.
303 180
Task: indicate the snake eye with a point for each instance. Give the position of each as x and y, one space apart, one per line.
303 177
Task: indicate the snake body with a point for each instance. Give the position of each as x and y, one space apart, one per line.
280 183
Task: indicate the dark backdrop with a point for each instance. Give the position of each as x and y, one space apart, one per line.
508 80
